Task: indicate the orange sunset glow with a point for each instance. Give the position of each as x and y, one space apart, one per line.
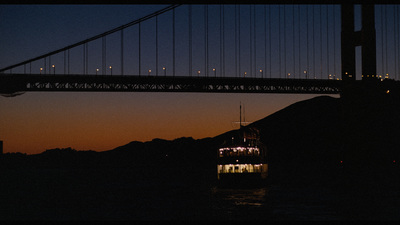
34 122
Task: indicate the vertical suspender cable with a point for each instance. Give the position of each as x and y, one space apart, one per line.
313 40
284 37
298 19
327 41
102 56
334 41
87 57
386 35
307 40
205 40
140 53
220 39
68 61
251 40
294 40
265 41
50 63
84 58
236 64
173 41
269 38
239 40
190 40
223 39
320 40
122 51
395 38
279 37
382 66
65 62
156 45
255 41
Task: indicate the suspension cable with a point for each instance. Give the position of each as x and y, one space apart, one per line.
166 9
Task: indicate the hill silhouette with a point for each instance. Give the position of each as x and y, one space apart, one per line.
307 139
346 144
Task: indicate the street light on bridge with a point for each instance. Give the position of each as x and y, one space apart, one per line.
41 70
111 70
149 72
215 72
165 71
198 73
97 70
262 74
54 69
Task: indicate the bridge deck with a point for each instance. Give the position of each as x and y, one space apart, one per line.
13 83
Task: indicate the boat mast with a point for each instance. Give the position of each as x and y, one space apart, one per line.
240 120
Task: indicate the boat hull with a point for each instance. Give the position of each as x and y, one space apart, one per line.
242 180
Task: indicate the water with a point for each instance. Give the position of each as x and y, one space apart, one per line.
131 194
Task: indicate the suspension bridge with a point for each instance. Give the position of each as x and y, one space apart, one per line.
304 49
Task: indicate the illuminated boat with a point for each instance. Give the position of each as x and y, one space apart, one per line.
242 161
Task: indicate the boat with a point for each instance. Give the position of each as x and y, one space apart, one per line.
242 159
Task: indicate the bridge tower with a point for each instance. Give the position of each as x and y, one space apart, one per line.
366 38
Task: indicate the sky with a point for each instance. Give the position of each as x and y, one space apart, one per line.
36 121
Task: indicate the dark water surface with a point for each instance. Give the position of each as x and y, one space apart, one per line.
143 194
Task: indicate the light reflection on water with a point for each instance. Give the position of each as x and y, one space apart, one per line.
249 197
240 203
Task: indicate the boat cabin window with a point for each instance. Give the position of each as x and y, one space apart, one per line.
239 151
240 168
